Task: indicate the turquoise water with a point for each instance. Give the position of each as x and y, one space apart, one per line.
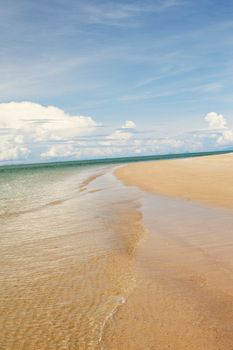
95 162
32 187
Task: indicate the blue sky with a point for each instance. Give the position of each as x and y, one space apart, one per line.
164 65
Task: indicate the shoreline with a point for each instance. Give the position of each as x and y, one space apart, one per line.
75 250
184 291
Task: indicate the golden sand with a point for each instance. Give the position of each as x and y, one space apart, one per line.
208 179
184 293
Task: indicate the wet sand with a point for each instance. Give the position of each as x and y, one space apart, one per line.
184 293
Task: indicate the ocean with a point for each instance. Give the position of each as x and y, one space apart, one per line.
64 254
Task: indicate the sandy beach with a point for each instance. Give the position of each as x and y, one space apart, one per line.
184 295
208 179
133 257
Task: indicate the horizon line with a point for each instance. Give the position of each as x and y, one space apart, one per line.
123 159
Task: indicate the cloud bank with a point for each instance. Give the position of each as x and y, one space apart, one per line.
30 132
27 125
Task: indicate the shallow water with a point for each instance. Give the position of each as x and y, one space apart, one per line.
66 256
183 298
87 263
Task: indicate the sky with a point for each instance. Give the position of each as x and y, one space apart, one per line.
94 79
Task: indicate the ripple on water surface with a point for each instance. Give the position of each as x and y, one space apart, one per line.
66 256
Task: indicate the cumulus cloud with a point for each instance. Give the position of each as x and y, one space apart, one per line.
129 124
120 135
215 120
220 134
32 123
43 122
76 152
226 138
59 151
13 148
32 132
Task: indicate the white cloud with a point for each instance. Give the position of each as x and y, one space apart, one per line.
25 124
13 148
30 131
215 120
43 122
129 124
226 139
59 151
74 152
120 135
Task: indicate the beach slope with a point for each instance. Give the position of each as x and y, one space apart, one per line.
208 179
183 298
